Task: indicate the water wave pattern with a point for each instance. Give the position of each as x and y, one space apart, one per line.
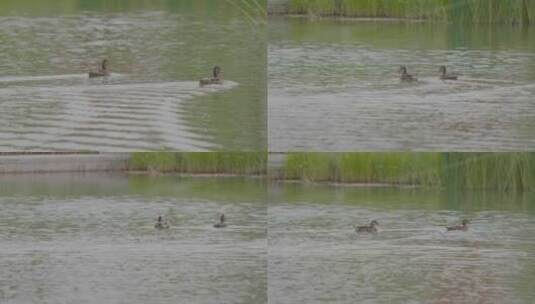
96 249
94 114
150 102
348 97
315 256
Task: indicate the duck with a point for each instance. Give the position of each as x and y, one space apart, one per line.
463 226
444 75
372 228
405 77
161 224
102 71
221 223
216 77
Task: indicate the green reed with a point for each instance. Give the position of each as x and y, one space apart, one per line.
493 171
396 168
465 11
247 163
499 171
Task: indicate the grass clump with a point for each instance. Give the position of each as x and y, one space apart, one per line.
246 163
497 171
490 171
395 168
465 11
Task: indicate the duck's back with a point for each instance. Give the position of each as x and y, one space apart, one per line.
98 74
208 81
458 227
407 78
161 226
366 229
448 77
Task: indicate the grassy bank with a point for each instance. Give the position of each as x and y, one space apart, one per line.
465 11
492 171
246 163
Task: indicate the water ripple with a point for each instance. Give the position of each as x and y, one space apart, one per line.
345 94
108 116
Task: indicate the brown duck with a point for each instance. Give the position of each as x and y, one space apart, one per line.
444 75
221 223
404 76
161 223
216 77
372 228
462 227
102 71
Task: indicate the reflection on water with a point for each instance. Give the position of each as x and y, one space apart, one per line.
315 255
157 52
91 239
334 86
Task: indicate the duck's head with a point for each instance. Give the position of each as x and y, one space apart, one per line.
374 223
104 64
159 218
465 222
222 218
216 71
403 69
442 69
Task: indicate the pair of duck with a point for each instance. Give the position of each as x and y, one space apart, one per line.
215 79
406 77
162 224
372 228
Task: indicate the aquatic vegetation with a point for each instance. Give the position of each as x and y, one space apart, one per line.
466 11
492 171
395 168
250 163
499 171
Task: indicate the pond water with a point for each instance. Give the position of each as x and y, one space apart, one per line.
334 86
157 52
91 239
315 256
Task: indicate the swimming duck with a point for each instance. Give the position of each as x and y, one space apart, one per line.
161 224
405 76
463 226
221 223
216 78
444 75
372 228
102 71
